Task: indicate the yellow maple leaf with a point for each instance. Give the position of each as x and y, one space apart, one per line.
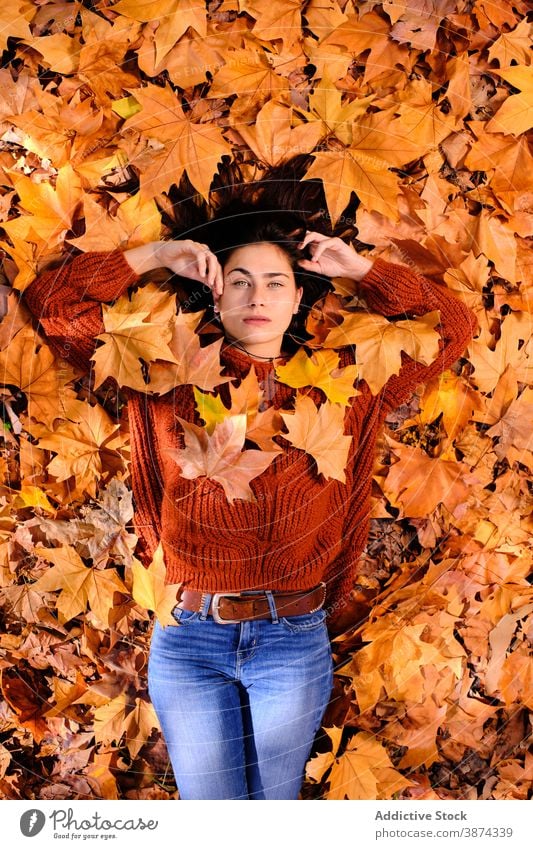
418 483
149 588
129 338
515 115
321 370
50 210
173 17
325 101
451 396
364 771
272 138
136 222
379 343
249 75
79 584
187 146
121 717
30 364
320 432
350 170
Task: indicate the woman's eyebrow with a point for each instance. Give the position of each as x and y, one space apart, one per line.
266 273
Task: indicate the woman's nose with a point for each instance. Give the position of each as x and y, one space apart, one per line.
256 298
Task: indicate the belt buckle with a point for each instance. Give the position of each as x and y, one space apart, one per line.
214 608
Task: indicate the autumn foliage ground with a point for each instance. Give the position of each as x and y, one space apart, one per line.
422 108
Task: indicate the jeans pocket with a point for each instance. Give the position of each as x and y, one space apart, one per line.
304 622
184 617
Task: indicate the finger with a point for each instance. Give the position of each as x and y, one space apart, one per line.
311 236
211 261
219 285
201 262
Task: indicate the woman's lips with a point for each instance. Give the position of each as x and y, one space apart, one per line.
256 320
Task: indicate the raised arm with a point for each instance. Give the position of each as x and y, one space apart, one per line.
67 300
393 290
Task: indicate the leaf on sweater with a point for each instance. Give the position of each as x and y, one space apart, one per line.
220 456
150 590
190 362
247 398
320 370
379 343
320 432
130 340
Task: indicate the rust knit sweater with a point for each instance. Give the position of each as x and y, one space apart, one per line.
302 528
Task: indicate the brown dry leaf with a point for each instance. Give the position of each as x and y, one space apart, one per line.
418 484
220 456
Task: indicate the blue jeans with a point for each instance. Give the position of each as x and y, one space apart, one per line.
240 704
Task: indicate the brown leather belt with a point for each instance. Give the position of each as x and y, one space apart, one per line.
229 607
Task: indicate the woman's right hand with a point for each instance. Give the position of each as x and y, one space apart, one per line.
182 256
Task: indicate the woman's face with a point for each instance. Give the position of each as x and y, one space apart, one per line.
259 299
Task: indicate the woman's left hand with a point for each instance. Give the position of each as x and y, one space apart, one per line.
332 257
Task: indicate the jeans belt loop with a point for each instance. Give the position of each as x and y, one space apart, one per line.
204 605
272 606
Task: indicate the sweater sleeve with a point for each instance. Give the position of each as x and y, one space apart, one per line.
67 301
391 289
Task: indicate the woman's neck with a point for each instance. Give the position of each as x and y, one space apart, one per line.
254 354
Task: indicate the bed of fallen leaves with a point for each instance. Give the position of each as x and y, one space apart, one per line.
423 108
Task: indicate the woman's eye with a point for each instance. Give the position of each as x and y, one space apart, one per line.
275 283
239 282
